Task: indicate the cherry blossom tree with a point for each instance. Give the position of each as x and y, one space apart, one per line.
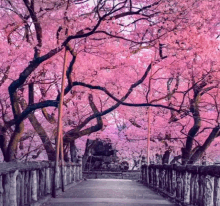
117 53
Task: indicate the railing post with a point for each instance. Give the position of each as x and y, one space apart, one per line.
173 180
13 191
34 185
196 190
64 173
6 186
209 191
67 175
193 191
142 173
157 177
170 178
80 168
77 172
147 175
179 185
74 172
201 188
217 191
151 175
48 181
186 189
70 173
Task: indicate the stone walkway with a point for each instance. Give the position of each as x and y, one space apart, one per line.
108 192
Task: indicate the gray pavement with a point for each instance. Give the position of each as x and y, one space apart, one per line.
108 192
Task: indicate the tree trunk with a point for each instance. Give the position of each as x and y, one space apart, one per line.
41 132
3 142
166 157
13 143
90 144
201 150
73 151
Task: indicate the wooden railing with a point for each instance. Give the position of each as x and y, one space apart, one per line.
189 185
102 174
27 183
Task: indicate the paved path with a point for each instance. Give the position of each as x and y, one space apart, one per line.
109 192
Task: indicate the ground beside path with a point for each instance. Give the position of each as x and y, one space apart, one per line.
109 192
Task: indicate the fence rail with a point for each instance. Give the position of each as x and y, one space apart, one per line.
189 185
26 183
100 174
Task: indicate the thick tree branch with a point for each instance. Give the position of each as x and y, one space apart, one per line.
31 108
50 118
116 99
38 29
31 94
77 132
13 142
194 109
201 149
41 132
26 73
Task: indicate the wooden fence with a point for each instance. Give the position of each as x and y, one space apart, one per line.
188 185
26 183
101 174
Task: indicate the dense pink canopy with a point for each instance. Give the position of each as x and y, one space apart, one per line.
123 57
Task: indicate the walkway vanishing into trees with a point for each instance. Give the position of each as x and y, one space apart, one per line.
111 192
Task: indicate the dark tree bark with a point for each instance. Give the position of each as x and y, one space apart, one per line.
90 144
201 149
189 156
3 142
194 109
73 151
41 132
166 157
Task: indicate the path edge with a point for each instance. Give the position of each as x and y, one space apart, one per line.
164 194
46 198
